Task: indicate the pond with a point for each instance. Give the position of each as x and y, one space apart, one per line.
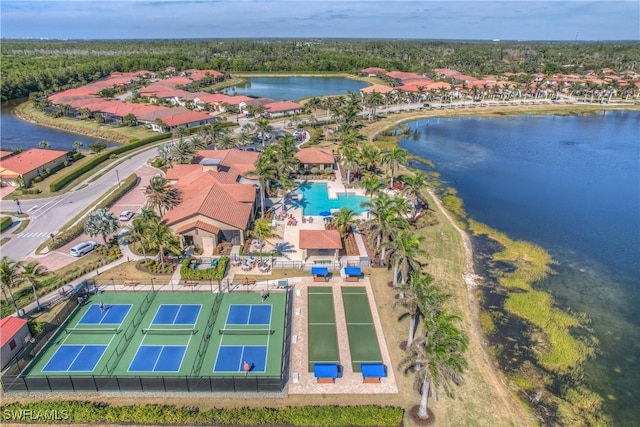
295 88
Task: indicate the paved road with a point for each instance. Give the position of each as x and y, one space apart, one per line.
49 215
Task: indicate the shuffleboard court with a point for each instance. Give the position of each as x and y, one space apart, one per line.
323 336
363 339
111 314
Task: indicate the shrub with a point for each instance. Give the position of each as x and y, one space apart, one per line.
104 413
30 191
208 274
37 179
5 222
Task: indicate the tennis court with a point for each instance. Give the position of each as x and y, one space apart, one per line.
322 335
363 340
137 341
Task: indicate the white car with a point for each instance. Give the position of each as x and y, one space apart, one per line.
126 215
300 132
83 248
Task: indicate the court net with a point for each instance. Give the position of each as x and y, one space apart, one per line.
158 331
110 331
246 331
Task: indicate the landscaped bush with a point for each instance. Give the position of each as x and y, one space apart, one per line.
30 191
208 274
5 222
93 163
102 413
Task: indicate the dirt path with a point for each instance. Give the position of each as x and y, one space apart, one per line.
488 369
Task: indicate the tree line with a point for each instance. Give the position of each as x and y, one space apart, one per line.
43 66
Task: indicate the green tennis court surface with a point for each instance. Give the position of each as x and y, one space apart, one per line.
167 334
363 340
323 337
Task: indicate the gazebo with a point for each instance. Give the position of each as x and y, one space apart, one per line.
320 243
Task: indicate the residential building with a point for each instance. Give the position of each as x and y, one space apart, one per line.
29 164
320 158
14 333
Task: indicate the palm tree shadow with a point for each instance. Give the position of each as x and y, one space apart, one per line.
284 248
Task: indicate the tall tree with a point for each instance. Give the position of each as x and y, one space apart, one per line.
414 186
9 276
44 144
33 273
344 220
161 195
161 238
101 222
384 221
264 127
405 248
263 231
394 158
266 171
437 358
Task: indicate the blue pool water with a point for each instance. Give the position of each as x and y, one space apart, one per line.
316 199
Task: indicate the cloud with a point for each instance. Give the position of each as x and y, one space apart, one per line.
513 19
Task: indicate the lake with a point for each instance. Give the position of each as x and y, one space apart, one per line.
294 88
572 186
16 133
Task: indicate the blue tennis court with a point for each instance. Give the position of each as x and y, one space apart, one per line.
113 314
249 314
158 358
75 358
177 314
231 358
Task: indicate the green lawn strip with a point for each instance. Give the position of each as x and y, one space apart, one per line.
363 339
323 336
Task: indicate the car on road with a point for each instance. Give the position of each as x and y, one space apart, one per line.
125 215
83 248
299 132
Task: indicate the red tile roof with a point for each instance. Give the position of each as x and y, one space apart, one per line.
4 153
320 239
175 81
201 74
280 106
31 159
186 118
377 88
315 156
373 70
9 326
198 224
238 99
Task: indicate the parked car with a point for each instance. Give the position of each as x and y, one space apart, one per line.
125 215
299 132
83 248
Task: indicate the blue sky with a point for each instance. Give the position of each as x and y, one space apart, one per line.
481 20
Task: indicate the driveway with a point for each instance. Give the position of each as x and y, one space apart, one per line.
133 201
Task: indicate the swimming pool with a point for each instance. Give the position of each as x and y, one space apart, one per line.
316 199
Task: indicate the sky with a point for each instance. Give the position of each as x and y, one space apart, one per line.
463 20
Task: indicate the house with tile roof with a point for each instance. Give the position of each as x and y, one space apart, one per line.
372 71
14 334
320 243
312 157
282 108
218 198
29 164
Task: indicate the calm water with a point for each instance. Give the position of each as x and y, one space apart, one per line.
293 88
316 199
16 133
571 185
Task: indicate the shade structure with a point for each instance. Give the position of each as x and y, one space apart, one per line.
320 271
373 370
325 213
352 271
325 370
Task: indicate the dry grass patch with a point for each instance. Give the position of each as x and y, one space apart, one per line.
130 271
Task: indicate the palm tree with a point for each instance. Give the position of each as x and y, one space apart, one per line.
414 186
243 137
77 145
437 358
138 231
343 220
161 195
405 247
101 222
226 142
212 133
9 275
266 171
286 156
384 222
44 144
419 297
349 161
263 128
33 272
369 158
182 152
314 104
394 158
262 231
161 238
371 184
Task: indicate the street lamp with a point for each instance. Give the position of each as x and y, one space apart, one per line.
118 176
19 209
